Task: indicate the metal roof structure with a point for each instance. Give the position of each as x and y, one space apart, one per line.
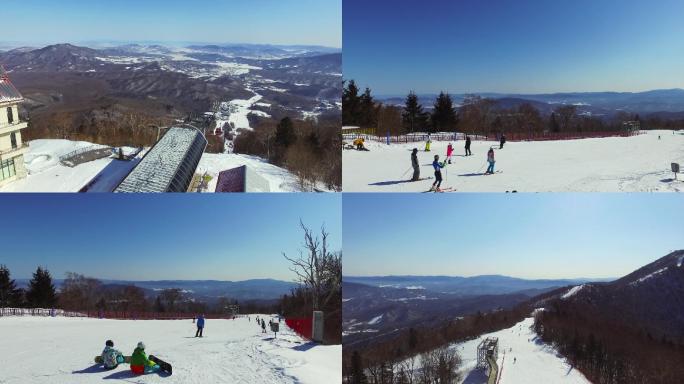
169 165
241 179
8 93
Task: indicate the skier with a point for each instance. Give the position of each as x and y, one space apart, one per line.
502 141
110 356
467 146
263 326
491 161
414 163
427 144
438 174
140 364
450 151
200 326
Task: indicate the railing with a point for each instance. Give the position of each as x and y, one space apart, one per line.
81 151
117 315
546 136
42 312
414 137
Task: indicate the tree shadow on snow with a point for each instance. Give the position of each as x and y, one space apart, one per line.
304 347
95 368
476 376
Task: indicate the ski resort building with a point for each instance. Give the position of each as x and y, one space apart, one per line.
169 165
487 355
241 179
12 149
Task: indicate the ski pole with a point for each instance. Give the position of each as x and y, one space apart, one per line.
403 174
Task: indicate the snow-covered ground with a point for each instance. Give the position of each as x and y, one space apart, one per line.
61 350
617 164
47 174
523 359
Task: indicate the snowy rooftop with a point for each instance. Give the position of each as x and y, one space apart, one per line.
170 165
8 92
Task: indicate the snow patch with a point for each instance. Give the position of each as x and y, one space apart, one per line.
375 320
572 291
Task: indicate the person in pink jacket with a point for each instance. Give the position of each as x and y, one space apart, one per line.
450 151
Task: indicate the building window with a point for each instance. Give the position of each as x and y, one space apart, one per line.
10 115
13 139
7 169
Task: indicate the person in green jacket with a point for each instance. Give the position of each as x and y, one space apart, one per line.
140 364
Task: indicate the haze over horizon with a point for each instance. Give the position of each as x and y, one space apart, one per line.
530 236
163 237
522 47
279 22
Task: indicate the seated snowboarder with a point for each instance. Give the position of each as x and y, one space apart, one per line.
140 364
111 357
200 326
359 144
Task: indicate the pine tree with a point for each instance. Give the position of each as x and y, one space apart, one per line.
285 136
413 117
351 105
10 296
41 292
368 112
444 115
553 123
358 377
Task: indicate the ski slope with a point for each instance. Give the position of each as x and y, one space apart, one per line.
61 350
523 359
616 164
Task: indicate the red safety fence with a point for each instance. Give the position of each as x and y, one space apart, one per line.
302 325
544 136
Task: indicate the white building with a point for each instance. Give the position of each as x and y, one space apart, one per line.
12 148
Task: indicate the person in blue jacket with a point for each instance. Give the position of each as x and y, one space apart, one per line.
438 173
200 326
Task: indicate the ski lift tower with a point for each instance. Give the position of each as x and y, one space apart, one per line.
632 127
487 349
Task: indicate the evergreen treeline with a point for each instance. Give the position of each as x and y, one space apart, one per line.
39 294
608 351
419 355
478 116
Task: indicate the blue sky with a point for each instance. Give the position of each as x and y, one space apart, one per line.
152 237
522 46
311 22
551 235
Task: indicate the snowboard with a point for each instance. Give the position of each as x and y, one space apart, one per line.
495 172
98 360
166 367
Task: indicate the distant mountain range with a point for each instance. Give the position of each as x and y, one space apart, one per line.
206 290
668 103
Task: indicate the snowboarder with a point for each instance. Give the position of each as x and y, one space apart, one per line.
263 326
428 143
140 364
514 360
491 161
414 163
111 357
502 141
200 326
450 151
438 174
467 146
359 144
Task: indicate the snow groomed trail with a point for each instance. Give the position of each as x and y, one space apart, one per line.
523 359
616 164
61 350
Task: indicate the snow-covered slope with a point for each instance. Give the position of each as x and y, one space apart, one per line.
523 359
631 164
47 174
61 350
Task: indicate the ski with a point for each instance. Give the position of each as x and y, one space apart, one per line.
166 367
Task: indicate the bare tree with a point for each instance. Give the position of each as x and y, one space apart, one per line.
318 268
